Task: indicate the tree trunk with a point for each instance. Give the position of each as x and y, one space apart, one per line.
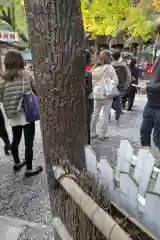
1 65
12 14
57 40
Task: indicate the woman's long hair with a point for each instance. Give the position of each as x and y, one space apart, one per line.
104 58
14 65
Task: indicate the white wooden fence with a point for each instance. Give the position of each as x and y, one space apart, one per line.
134 184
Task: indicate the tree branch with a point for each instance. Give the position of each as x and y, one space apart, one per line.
4 18
21 34
3 11
9 17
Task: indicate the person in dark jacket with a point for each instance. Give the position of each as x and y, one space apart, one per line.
129 95
4 134
89 102
131 91
124 80
151 113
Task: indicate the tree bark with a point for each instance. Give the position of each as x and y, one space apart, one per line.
57 41
1 65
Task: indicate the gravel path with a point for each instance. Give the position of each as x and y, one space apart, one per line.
22 198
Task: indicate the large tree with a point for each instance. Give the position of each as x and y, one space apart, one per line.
57 41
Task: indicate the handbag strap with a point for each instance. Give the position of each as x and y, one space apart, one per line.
104 78
23 82
106 69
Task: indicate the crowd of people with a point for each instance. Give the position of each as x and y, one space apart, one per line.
107 67
110 67
110 83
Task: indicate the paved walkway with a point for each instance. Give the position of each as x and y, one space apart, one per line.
28 200
129 128
25 199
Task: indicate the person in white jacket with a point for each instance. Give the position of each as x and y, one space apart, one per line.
101 71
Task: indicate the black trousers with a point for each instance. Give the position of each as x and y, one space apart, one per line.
117 106
129 96
29 133
3 131
130 100
151 122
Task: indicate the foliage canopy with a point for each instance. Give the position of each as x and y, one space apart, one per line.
100 17
107 17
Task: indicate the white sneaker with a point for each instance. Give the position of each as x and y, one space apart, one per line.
106 136
102 138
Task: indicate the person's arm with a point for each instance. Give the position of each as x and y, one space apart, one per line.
32 82
33 87
141 70
114 76
129 76
153 88
2 86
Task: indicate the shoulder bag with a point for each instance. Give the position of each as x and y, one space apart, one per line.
107 89
30 105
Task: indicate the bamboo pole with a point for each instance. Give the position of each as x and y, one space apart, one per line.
134 222
106 225
60 230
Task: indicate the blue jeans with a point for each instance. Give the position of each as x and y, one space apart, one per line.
116 105
151 121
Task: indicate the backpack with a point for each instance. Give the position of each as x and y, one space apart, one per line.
122 76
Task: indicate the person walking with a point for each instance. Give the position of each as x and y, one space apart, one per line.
124 79
102 71
129 95
151 113
14 83
89 101
4 134
132 90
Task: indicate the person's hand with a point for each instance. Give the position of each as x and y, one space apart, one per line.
143 88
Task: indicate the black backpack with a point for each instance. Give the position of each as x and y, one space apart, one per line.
122 76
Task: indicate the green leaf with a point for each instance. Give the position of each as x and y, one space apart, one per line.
109 17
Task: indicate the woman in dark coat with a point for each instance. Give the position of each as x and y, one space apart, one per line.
131 91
